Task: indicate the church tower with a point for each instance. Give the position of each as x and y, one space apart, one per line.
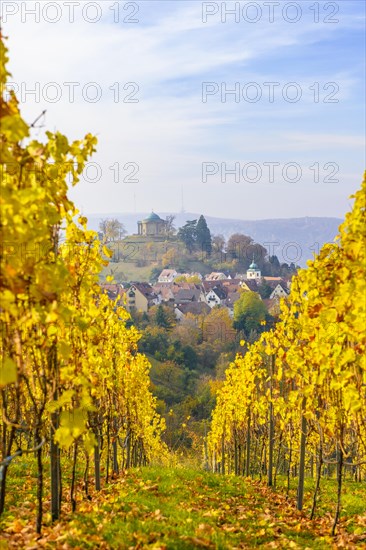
254 272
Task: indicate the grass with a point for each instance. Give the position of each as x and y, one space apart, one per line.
139 255
353 495
182 508
128 271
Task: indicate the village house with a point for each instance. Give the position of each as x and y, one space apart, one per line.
216 296
231 285
280 291
195 288
179 292
272 280
164 291
216 276
231 298
167 276
195 308
208 285
114 291
250 285
185 295
140 297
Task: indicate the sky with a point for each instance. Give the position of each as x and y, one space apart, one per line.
246 110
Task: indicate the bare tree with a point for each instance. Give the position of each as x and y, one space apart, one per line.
170 229
112 230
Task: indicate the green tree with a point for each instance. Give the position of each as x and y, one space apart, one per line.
154 274
154 339
249 312
162 318
190 357
203 236
275 265
265 290
189 330
187 234
218 328
237 247
188 279
243 249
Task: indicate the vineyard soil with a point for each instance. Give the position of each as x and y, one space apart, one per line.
183 508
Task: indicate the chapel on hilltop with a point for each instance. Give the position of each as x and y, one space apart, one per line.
152 226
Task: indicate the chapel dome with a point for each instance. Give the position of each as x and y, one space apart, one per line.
152 218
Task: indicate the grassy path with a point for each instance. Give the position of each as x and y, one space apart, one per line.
183 509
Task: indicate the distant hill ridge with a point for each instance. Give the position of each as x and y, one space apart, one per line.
291 239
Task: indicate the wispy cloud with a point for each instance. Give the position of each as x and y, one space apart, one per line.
170 132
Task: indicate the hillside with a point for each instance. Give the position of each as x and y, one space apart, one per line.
308 234
135 257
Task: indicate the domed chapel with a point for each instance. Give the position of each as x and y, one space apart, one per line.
152 226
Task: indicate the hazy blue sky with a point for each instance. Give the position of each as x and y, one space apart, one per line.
175 60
